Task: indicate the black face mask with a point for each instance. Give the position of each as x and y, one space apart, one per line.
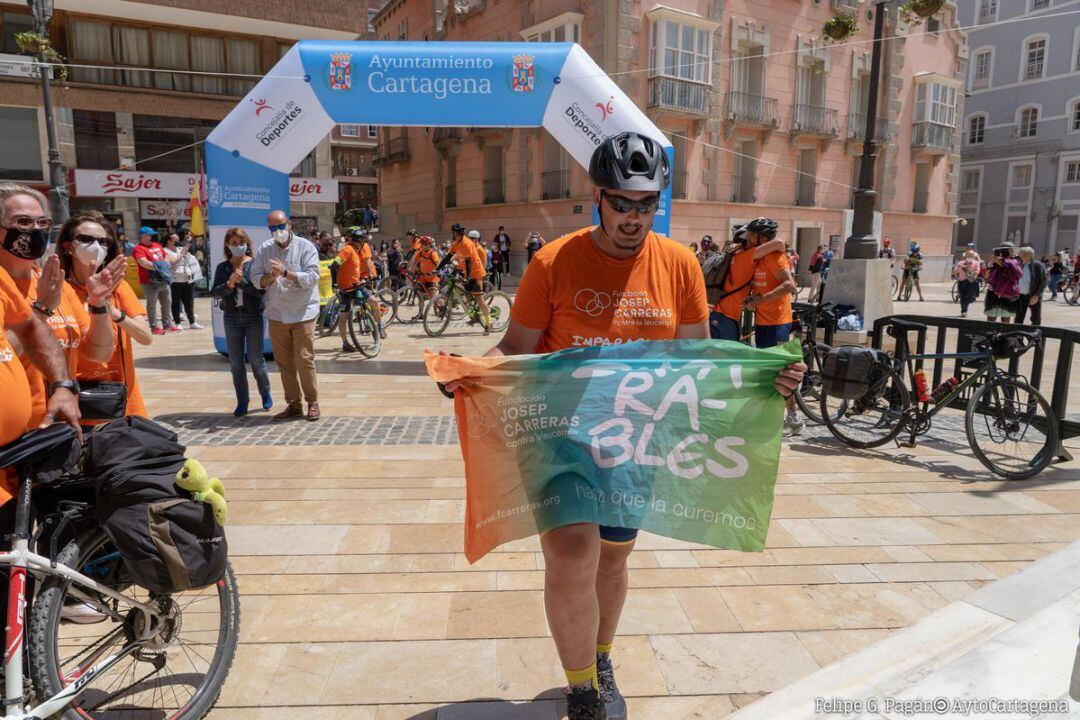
26 244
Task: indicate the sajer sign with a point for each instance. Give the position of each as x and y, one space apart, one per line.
177 186
319 84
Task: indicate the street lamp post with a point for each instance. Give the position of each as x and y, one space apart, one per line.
42 11
862 245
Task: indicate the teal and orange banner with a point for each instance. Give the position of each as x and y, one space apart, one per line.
680 438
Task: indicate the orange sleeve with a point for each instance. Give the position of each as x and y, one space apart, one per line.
128 300
16 307
695 307
532 306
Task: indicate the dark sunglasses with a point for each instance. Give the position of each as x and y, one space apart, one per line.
282 226
87 239
624 205
25 222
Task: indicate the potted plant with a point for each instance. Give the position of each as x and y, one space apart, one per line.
922 8
40 47
840 26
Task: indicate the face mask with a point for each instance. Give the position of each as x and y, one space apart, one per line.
26 244
237 250
281 237
90 253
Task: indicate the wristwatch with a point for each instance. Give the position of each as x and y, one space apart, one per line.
41 309
72 385
99 309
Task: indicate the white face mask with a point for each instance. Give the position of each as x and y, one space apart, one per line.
281 237
238 250
91 253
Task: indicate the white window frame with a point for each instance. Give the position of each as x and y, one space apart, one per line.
967 128
1031 6
1072 116
978 11
1075 58
1020 122
349 130
974 83
373 132
1013 167
1067 166
545 31
659 18
963 179
1024 50
927 83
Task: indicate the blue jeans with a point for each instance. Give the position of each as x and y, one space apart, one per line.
241 330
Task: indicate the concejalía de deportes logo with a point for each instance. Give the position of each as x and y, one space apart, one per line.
280 125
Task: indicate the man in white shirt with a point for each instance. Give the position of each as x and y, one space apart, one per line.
287 267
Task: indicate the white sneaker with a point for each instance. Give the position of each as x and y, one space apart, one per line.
793 426
81 613
194 326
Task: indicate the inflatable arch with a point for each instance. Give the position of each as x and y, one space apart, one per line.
318 84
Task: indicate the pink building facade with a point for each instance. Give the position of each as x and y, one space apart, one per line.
765 117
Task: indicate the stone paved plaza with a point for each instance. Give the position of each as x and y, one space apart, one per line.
357 603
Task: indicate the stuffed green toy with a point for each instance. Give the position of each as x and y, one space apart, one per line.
192 477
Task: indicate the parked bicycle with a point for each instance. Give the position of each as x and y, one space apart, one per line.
1009 424
453 302
142 654
807 317
954 294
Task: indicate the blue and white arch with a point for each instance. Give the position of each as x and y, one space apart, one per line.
318 84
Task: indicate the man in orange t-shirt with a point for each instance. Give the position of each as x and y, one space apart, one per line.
424 263
467 252
613 283
356 267
725 320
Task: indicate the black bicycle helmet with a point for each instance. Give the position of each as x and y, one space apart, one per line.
457 228
763 226
738 234
630 161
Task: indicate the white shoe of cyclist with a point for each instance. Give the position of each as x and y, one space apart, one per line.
81 613
793 426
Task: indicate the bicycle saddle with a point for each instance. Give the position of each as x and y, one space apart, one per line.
56 442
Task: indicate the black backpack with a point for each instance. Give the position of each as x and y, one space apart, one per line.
848 372
716 269
169 542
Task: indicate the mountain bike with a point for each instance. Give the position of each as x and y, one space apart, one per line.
906 286
453 299
1009 424
954 294
363 329
143 655
328 317
806 316
1070 288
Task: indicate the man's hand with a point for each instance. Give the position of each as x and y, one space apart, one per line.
63 407
753 301
101 285
1033 301
276 269
790 378
50 285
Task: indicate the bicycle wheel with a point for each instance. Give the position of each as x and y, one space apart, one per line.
1011 428
499 306
955 294
905 294
388 305
872 420
437 315
488 286
808 395
894 283
1072 293
364 331
328 317
179 675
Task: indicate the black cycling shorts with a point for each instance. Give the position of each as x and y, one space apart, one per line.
473 285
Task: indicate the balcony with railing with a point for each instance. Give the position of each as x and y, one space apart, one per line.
1033 70
969 198
856 128
556 184
748 109
814 120
395 150
845 4
493 191
360 170
679 97
931 138
444 136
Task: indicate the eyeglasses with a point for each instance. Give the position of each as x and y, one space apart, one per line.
88 239
624 205
25 222
281 226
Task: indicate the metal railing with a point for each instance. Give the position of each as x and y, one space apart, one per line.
845 4
1033 70
679 95
355 170
969 198
752 109
955 335
393 151
814 120
493 191
556 184
856 128
931 135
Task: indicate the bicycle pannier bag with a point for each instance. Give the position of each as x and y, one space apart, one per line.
847 372
716 269
169 542
1006 347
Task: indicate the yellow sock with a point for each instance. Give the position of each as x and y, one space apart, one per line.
602 649
577 678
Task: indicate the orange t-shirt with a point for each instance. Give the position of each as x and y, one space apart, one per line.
70 323
125 299
581 297
778 310
466 249
348 275
740 274
14 387
427 260
416 244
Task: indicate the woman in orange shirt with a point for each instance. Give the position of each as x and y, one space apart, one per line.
86 243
